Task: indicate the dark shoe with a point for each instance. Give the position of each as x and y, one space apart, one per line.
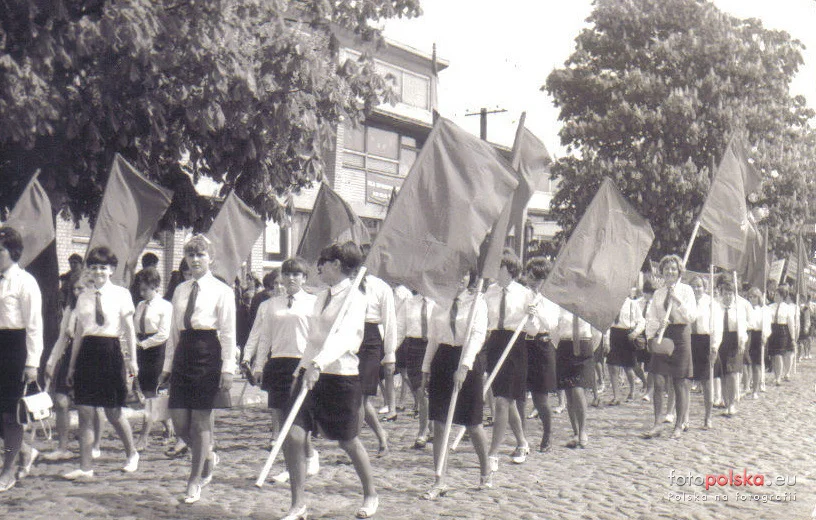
545 447
390 418
420 443
174 453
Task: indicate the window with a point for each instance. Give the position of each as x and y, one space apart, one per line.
275 244
411 88
384 155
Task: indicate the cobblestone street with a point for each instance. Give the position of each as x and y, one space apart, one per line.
619 475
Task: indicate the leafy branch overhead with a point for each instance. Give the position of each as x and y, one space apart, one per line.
651 96
245 92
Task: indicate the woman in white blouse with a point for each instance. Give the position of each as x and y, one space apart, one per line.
758 331
451 361
152 319
729 337
782 319
676 367
702 348
97 368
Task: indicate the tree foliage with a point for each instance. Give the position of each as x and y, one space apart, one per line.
652 94
246 92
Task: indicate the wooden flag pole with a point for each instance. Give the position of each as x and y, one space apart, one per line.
685 261
764 302
290 419
489 381
440 470
712 353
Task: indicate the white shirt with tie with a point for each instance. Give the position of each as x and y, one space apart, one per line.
382 310
517 299
737 321
409 317
280 330
21 308
686 312
630 317
440 331
116 305
156 314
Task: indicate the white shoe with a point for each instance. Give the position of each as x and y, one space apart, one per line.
58 455
96 453
493 464
669 418
27 463
79 475
383 410
132 463
282 477
313 464
214 460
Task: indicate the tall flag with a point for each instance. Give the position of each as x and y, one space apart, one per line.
600 262
801 267
129 215
450 200
332 220
725 212
232 234
391 200
749 261
531 162
32 217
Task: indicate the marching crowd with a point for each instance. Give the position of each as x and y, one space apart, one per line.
346 343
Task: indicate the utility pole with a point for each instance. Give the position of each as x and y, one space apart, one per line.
483 113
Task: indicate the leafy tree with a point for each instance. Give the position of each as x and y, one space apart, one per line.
246 92
650 97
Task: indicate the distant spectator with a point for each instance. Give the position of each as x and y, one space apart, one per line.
148 260
176 277
68 279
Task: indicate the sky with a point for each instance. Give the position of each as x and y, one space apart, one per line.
500 53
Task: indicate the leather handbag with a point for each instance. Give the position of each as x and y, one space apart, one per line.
34 407
665 347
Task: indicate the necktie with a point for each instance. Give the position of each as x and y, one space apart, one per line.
424 318
503 308
668 299
328 299
454 311
191 301
776 316
100 317
143 319
576 336
725 321
290 301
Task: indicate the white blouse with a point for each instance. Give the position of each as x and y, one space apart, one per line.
439 330
21 308
409 317
686 312
737 321
382 310
630 317
517 301
116 305
702 324
280 331
157 313
545 318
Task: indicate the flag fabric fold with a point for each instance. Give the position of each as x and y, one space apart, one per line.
32 218
531 162
332 220
725 211
749 261
600 262
232 234
128 216
451 198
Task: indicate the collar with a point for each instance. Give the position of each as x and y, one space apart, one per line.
340 286
207 278
13 270
104 288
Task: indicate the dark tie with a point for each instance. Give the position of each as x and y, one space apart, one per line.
328 299
454 311
290 301
100 317
143 319
503 308
776 316
725 321
188 312
424 318
668 299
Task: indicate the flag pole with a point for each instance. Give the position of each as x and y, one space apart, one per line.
440 470
711 354
290 419
764 302
685 261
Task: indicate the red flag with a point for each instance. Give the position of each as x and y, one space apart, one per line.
129 215
450 200
32 218
332 220
599 264
725 212
531 161
234 231
750 261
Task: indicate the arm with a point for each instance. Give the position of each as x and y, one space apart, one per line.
226 330
162 331
59 346
793 317
477 336
172 339
433 346
640 323
128 331
685 304
389 320
257 345
402 322
348 335
717 327
31 312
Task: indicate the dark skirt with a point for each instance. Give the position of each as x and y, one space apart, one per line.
729 354
470 403
277 380
399 357
641 352
755 346
61 371
511 381
196 375
151 363
413 351
370 357
679 364
333 406
99 375
621 348
574 371
13 356
541 365
701 358
780 340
